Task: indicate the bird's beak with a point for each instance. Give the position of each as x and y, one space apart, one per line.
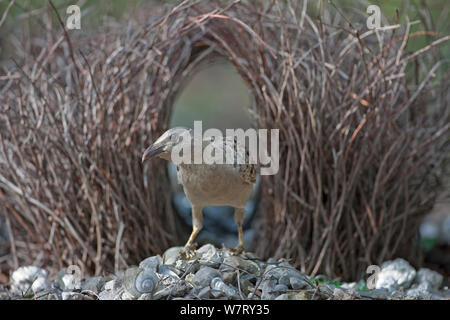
152 151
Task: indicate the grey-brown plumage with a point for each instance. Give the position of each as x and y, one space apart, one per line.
210 184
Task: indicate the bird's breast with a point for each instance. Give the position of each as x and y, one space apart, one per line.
215 185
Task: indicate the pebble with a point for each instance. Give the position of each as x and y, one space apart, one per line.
268 289
204 276
297 283
40 284
381 294
429 278
233 262
280 287
213 274
211 258
229 277
204 293
302 295
22 279
72 296
395 274
218 284
151 263
171 255
93 284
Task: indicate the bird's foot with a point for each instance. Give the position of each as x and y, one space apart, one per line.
238 250
188 252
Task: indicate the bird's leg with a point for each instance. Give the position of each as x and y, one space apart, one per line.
239 214
197 224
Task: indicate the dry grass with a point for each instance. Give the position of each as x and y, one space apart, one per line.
359 149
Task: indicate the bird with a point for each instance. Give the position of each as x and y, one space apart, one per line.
213 184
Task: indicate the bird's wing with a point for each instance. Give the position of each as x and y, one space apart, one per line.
179 175
241 162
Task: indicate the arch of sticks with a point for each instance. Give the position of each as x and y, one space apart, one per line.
358 151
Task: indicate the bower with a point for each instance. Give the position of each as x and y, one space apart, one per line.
357 152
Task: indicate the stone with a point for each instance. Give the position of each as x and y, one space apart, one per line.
90 295
247 276
395 274
284 280
281 287
171 255
211 258
229 277
68 295
163 293
204 276
342 294
112 290
181 266
218 284
302 295
268 289
110 284
197 279
94 284
379 294
217 294
283 296
146 296
252 256
169 271
282 272
420 291
40 284
106 295
67 281
205 248
204 293
53 296
190 278
233 262
297 283
128 296
22 279
398 294
350 286
180 289
431 279
151 263
324 289
246 286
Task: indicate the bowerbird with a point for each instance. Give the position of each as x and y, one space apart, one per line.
208 183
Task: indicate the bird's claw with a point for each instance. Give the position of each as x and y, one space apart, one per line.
238 250
188 252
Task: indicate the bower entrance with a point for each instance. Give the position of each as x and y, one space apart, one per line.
217 96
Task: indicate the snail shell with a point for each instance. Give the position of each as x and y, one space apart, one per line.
138 281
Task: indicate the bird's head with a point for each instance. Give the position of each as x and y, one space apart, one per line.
162 147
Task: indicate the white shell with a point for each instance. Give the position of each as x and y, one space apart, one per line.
138 281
